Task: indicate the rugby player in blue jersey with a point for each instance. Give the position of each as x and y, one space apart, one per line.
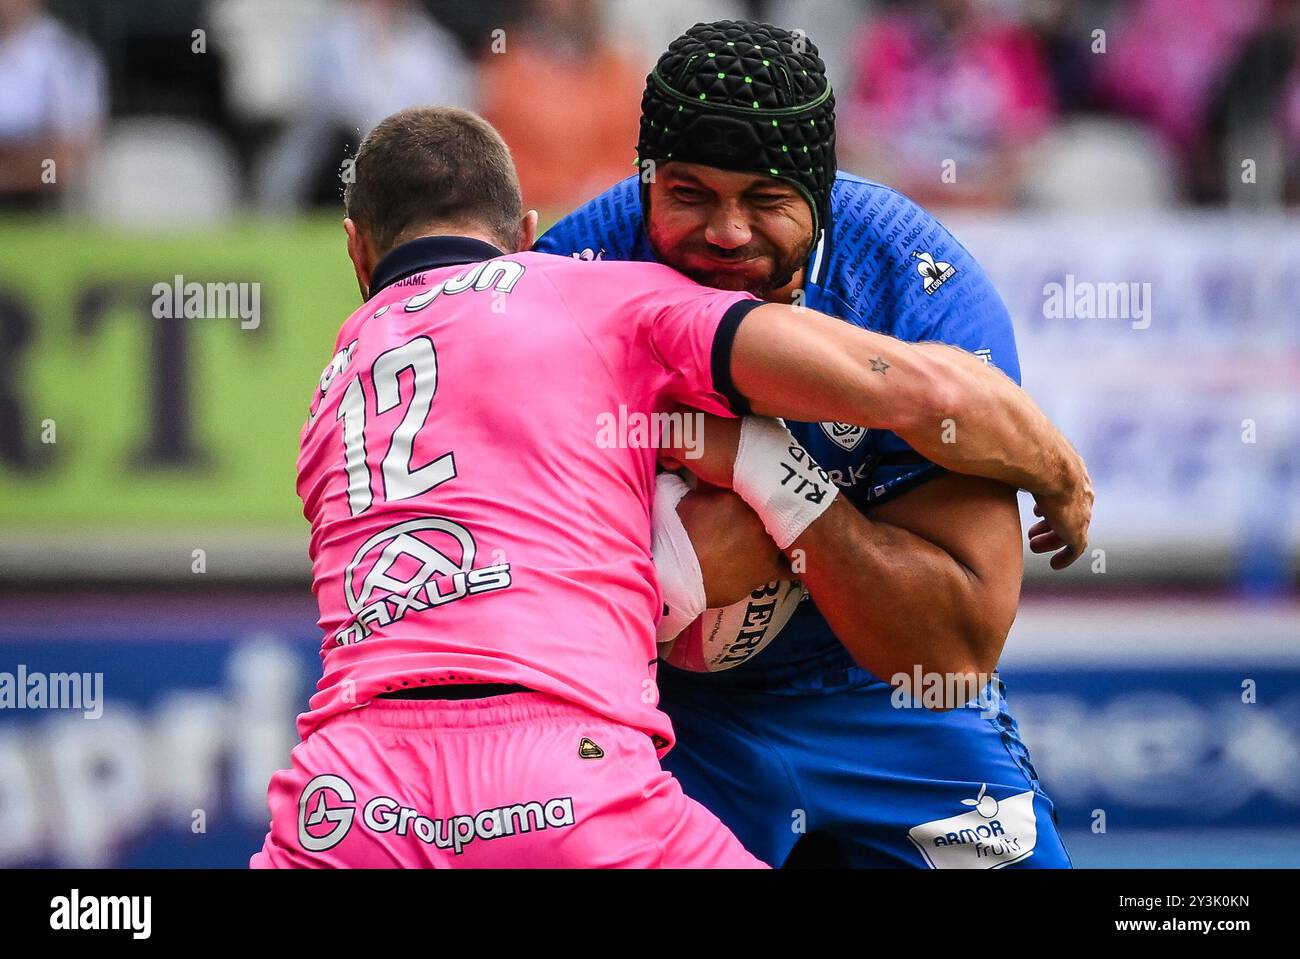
911 570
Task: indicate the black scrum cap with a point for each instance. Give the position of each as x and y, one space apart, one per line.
744 96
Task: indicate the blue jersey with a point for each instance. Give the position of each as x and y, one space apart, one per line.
814 733
883 264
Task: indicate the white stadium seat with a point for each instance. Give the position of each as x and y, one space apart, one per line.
1106 165
160 171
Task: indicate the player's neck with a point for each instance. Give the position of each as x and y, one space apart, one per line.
472 232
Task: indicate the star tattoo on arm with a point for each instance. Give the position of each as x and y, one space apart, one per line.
879 366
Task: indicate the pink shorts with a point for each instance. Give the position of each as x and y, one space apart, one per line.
513 781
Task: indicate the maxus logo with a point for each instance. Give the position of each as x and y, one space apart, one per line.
995 833
418 565
332 801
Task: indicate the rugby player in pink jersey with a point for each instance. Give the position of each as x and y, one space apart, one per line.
481 549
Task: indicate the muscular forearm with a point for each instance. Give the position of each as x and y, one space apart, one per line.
947 404
930 579
988 426
892 597
896 600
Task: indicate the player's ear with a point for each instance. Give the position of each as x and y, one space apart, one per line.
528 230
359 254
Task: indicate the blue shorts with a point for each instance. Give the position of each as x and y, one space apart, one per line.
870 784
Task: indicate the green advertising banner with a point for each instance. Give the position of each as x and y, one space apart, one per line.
152 387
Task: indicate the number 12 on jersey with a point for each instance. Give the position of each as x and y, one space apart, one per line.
399 480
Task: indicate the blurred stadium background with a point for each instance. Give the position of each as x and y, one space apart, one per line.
149 529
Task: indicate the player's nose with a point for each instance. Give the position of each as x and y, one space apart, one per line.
728 228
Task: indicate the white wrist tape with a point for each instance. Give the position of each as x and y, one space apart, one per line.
779 479
681 581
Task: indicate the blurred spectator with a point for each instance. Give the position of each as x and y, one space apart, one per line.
646 29
1166 59
267 52
368 59
472 23
52 104
1254 119
939 81
375 57
831 25
1064 30
566 101
1290 115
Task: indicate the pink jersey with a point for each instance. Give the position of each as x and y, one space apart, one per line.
478 478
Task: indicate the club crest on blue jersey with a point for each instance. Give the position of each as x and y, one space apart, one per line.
844 435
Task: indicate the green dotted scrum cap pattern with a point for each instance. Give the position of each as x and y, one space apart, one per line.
744 96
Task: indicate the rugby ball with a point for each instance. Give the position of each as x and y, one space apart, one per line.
724 638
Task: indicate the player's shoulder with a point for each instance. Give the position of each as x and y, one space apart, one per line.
856 199
870 217
890 263
606 227
890 257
